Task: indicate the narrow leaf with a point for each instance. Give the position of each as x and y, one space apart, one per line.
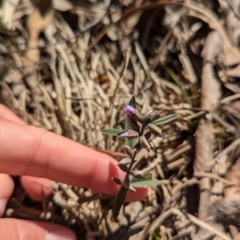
128 150
117 180
123 167
118 201
125 161
137 175
165 119
112 131
155 236
132 102
146 183
146 176
144 143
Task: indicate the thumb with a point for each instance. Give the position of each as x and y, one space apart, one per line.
15 229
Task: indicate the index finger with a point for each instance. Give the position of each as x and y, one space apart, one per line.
28 150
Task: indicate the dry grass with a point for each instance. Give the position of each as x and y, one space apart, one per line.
64 71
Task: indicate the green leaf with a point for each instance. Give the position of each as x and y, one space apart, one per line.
147 176
130 142
174 76
112 131
118 201
132 102
146 182
155 236
165 119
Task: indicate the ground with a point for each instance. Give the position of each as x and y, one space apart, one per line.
72 67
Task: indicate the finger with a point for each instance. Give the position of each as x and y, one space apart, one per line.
28 150
6 189
37 188
40 188
12 229
7 114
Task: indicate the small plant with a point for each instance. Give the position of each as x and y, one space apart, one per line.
138 130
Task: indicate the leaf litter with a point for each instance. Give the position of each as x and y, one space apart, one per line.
63 67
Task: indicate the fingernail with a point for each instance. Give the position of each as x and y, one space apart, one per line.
3 203
60 234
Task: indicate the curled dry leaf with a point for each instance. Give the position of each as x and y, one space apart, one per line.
7 11
212 47
126 26
36 22
225 211
62 5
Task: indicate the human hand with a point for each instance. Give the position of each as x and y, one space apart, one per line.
41 156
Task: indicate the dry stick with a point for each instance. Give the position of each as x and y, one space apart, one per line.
211 93
204 11
85 28
227 126
122 75
207 226
160 50
60 103
230 98
196 221
158 221
213 19
181 235
227 150
190 182
142 59
213 176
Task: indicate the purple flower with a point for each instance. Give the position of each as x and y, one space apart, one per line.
134 114
125 134
129 110
129 134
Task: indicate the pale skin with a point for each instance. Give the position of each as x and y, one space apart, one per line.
39 157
